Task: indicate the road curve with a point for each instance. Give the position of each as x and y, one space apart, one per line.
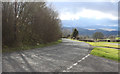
68 56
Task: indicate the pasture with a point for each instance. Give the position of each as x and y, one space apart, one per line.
109 50
108 53
105 44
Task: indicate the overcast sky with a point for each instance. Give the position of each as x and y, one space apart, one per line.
90 15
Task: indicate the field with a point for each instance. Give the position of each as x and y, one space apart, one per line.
107 50
108 53
105 44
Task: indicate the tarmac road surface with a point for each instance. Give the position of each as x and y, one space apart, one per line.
68 56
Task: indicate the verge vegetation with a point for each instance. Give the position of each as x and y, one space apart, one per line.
103 51
27 47
28 24
108 53
104 44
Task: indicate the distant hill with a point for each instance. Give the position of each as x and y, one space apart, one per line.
90 32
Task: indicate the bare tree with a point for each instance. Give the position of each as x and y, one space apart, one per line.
29 23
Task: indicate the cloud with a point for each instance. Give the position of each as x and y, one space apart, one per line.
86 13
113 25
106 29
91 29
114 0
81 0
91 15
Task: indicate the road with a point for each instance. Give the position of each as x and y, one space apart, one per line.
112 43
68 56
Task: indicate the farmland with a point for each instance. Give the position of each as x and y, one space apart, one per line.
108 53
109 50
105 44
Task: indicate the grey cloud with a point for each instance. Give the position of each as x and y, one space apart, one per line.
107 7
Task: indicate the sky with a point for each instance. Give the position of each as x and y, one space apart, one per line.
89 15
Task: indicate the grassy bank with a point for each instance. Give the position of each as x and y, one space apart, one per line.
108 53
104 52
27 47
101 51
103 44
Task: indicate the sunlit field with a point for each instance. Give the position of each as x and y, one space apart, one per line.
105 44
108 53
107 50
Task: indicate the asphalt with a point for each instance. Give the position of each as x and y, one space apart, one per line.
68 56
112 43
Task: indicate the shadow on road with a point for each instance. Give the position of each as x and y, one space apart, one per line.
13 64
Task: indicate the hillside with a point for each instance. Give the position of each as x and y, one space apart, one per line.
90 32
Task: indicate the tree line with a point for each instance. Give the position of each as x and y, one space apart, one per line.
29 23
75 35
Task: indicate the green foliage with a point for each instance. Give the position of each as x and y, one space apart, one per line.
98 35
75 33
26 47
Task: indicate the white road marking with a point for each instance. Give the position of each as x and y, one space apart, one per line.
76 63
64 71
23 54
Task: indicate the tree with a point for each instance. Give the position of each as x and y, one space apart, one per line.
98 35
8 23
112 37
66 33
29 23
75 33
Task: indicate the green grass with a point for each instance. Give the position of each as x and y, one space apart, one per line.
27 47
118 38
103 44
108 53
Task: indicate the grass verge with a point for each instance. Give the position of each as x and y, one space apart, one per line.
108 53
27 47
103 44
